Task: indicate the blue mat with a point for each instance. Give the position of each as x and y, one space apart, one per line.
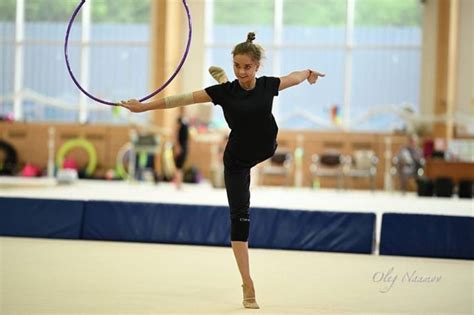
155 222
210 225
185 224
41 218
313 230
427 236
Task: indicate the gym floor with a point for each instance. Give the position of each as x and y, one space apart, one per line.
70 277
42 276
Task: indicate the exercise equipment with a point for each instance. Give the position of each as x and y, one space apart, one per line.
122 159
78 143
67 176
30 170
466 188
443 187
167 162
425 187
178 68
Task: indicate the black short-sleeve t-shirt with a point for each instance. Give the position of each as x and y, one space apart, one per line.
248 114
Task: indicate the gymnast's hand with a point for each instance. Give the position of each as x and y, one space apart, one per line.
133 105
314 75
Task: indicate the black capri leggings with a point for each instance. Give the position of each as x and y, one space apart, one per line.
237 183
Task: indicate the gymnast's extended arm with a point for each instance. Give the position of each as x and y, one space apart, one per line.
297 77
168 102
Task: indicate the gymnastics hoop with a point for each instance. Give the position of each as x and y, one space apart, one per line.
78 143
120 169
183 58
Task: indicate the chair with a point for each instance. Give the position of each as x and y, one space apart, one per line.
144 145
406 172
280 164
363 163
328 164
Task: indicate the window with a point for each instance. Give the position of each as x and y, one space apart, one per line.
370 50
109 56
7 56
385 62
313 36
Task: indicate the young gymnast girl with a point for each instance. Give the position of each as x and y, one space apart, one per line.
247 106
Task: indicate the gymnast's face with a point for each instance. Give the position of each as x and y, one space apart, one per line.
245 69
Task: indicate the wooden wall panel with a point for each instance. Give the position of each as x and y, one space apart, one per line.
38 140
31 142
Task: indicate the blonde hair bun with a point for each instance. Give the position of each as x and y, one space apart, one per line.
250 37
255 51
